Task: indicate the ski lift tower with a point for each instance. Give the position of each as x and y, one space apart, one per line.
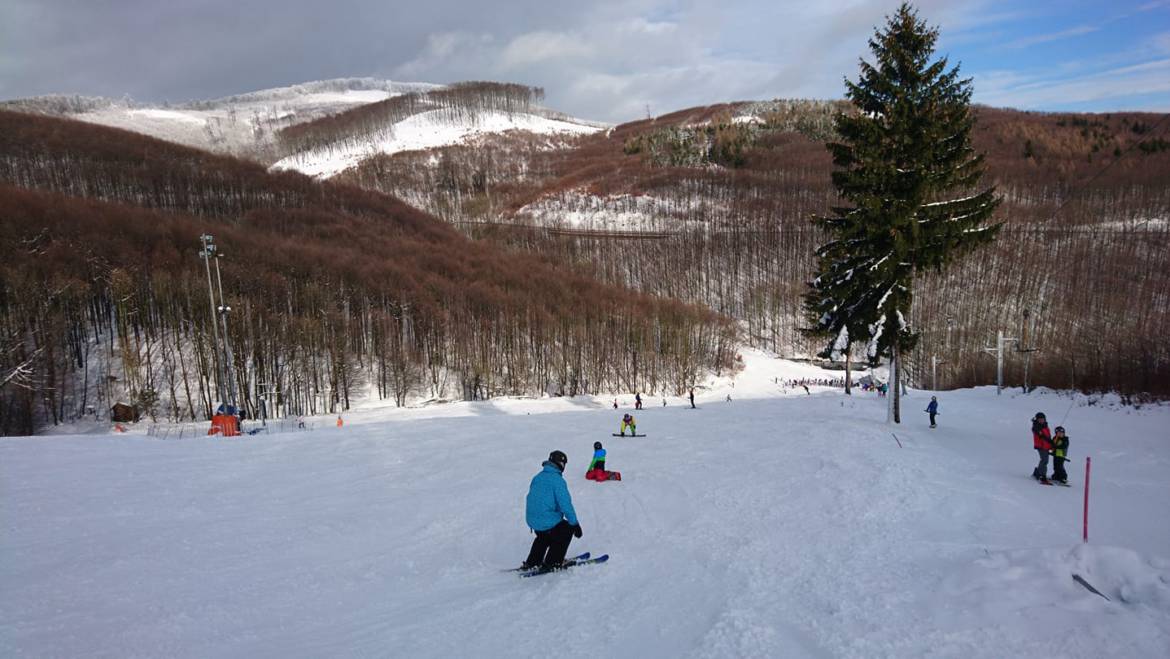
1000 340
207 251
1028 327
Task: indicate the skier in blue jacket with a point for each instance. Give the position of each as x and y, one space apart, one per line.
932 409
549 513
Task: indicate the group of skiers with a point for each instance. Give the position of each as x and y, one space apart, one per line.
638 400
549 508
1047 444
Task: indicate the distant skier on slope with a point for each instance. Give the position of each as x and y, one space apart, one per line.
1042 442
549 513
692 398
1059 453
597 470
637 401
932 409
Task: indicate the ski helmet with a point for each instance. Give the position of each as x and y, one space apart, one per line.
1059 428
559 459
1040 415
596 446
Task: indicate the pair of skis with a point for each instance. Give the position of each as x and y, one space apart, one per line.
579 559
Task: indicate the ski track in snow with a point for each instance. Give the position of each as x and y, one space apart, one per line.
780 526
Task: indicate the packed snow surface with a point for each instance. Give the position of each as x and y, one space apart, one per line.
425 130
779 524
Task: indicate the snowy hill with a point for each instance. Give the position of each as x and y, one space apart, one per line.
779 524
428 130
241 125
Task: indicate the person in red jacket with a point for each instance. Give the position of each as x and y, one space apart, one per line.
1042 442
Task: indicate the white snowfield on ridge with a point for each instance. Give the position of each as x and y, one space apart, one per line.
246 122
779 524
426 130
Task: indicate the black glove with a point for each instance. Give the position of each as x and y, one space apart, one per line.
577 530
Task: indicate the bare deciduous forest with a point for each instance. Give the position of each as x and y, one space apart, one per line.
514 277
331 287
1079 274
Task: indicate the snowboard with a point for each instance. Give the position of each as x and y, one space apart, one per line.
572 562
617 435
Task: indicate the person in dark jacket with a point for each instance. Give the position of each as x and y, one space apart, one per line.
1059 454
549 513
1042 442
932 409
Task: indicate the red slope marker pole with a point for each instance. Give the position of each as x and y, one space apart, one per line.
1085 529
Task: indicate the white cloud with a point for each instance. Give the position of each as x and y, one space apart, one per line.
1052 36
1024 92
539 47
442 48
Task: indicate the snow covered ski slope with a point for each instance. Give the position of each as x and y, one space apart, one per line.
776 525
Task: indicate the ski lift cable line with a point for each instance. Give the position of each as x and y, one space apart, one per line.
1152 132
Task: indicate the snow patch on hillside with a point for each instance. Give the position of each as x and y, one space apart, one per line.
165 115
426 130
244 124
581 210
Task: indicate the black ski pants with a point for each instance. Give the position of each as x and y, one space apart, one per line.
549 547
1058 472
932 424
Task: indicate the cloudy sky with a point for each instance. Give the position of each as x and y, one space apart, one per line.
606 60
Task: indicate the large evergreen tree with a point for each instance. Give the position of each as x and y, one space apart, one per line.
907 172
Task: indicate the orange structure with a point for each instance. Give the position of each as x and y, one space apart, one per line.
224 424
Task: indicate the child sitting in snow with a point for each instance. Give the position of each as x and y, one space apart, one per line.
597 470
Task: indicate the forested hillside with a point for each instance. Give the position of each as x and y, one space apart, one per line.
712 205
104 299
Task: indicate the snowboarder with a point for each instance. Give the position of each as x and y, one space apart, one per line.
932 409
628 420
1042 442
597 470
692 397
615 403
549 513
637 401
1059 454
